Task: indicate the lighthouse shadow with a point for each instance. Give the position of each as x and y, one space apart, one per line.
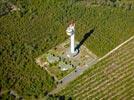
85 37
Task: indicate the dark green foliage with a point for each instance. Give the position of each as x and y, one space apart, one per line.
58 97
3 8
40 25
112 3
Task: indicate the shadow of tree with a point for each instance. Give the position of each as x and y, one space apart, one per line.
85 37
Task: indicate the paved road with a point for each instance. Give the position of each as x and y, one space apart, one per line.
73 75
79 70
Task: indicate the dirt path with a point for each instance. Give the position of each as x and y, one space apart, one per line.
79 70
116 48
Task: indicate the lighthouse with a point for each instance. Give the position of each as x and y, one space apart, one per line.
71 32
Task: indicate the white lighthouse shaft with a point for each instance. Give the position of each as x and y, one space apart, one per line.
71 32
72 43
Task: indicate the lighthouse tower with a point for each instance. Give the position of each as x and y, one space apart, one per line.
71 32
